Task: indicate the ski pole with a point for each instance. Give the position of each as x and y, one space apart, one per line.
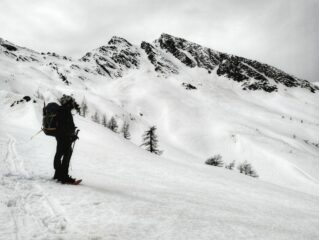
72 147
76 134
36 134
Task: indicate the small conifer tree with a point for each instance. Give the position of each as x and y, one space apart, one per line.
150 141
113 125
104 120
125 130
96 117
84 108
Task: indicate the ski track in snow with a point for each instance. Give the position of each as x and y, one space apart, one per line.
32 214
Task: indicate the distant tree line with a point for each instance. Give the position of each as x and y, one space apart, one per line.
149 138
111 124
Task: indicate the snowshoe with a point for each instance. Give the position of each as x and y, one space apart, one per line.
70 180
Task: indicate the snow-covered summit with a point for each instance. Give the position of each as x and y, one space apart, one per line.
115 40
115 58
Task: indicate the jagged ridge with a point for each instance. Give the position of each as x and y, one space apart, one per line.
253 75
119 56
161 64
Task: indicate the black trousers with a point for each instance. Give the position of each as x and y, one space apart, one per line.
62 156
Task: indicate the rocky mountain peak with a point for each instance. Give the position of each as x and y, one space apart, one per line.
114 58
166 37
252 75
189 53
115 40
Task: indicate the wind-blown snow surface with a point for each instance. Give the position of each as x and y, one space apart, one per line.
128 193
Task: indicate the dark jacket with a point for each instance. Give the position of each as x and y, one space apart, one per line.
65 124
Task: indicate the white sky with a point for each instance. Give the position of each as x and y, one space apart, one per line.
283 33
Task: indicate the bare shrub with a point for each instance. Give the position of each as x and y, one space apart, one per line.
247 169
215 161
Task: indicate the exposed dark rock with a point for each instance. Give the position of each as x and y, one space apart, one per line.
82 78
22 59
189 86
251 74
9 54
172 46
9 47
74 67
230 66
161 64
24 99
64 78
60 74
27 98
103 68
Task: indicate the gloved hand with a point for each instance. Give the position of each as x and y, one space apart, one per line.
74 138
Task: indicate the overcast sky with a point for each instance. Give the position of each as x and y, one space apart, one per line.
283 33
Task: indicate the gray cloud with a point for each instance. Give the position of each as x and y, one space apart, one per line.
282 33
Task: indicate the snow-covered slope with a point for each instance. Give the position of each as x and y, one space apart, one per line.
130 194
241 109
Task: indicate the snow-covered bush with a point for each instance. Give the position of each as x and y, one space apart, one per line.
247 169
215 161
231 165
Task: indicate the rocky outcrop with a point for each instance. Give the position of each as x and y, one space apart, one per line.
115 58
61 75
191 54
252 75
161 64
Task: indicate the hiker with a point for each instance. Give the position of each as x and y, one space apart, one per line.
65 136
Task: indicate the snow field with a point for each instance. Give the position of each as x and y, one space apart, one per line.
128 193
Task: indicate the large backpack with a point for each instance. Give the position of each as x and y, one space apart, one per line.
49 121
